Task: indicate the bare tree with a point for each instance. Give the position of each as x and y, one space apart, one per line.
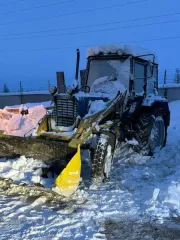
5 88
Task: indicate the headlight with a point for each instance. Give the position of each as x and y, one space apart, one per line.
53 90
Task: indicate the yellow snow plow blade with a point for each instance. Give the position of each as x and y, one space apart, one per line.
68 180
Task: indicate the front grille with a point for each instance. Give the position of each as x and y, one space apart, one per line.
65 110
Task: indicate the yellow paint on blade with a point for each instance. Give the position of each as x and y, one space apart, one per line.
68 180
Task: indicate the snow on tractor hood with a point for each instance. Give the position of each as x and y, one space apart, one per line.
122 49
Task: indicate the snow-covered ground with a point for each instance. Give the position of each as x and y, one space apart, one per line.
139 189
24 170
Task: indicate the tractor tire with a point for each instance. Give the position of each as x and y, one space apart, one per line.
102 157
150 132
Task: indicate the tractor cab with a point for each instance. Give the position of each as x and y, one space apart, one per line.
110 70
113 68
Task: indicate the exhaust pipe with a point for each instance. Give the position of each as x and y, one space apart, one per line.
77 69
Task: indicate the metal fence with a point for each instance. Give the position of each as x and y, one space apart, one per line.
11 99
24 86
8 99
15 86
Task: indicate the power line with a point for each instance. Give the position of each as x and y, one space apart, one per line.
68 47
75 13
155 39
12 2
37 7
168 69
92 31
95 25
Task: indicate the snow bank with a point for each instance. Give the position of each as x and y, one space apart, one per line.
175 115
167 203
120 49
155 182
18 125
24 170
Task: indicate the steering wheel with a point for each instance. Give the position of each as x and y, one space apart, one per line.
85 89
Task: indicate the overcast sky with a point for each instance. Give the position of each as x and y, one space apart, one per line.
35 55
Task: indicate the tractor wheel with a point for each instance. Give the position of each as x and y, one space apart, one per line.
102 157
150 132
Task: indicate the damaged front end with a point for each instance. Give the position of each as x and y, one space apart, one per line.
60 135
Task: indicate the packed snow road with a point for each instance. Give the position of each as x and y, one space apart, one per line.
140 201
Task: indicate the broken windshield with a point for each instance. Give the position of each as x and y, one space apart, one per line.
115 69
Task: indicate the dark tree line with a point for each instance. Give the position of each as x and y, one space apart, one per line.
5 89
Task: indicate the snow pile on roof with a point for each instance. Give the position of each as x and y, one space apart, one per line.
120 49
18 125
24 170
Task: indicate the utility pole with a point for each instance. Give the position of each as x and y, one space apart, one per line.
21 92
